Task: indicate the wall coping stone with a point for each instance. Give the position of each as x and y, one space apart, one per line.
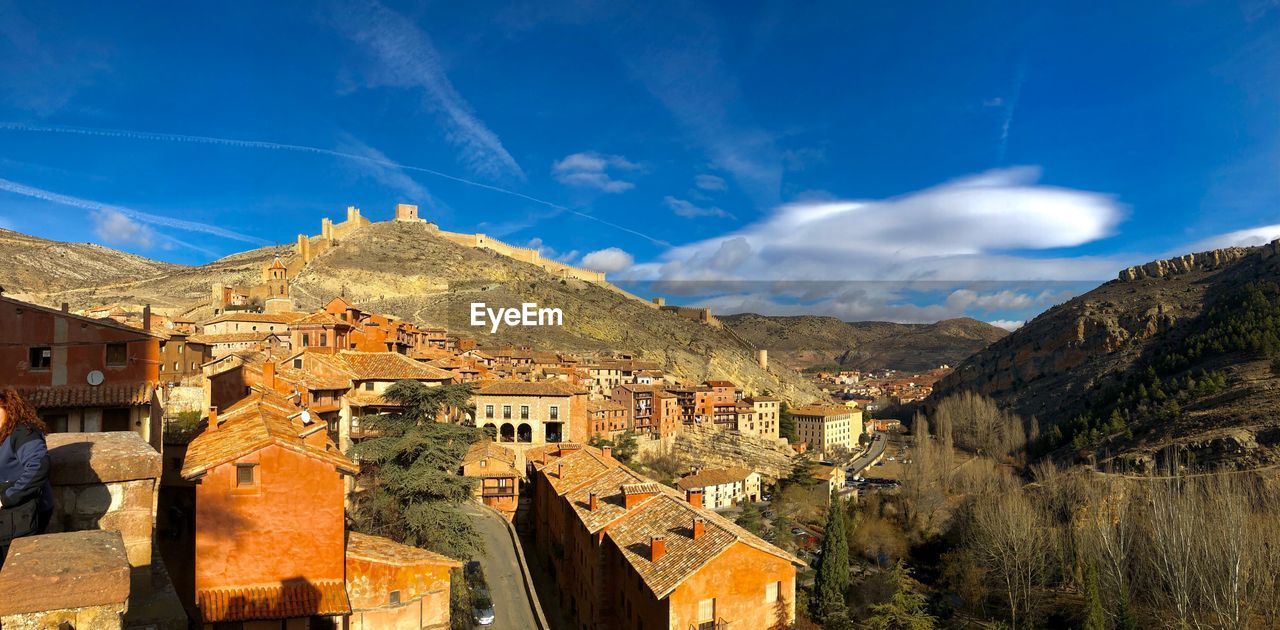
95 458
64 571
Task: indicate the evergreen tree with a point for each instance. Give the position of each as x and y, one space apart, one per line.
832 580
786 423
1094 617
414 491
1125 619
905 609
749 519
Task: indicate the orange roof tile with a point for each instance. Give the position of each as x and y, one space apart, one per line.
822 410
282 601
111 394
250 425
713 477
522 388
386 551
389 366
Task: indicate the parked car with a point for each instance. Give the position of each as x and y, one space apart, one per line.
484 616
799 532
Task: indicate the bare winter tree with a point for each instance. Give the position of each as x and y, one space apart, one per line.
1012 539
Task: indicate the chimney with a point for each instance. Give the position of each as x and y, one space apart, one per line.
66 308
269 374
657 548
146 318
694 497
699 527
591 502
213 418
634 493
559 471
606 452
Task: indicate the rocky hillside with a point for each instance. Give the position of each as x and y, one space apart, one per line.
1176 352
403 270
34 264
806 340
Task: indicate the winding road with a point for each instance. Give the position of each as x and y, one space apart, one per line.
865 461
512 600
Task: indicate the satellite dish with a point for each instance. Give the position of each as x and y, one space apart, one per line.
306 417
95 378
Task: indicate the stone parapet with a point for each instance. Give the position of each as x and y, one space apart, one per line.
79 578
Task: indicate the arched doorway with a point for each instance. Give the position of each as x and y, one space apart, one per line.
524 433
491 430
508 433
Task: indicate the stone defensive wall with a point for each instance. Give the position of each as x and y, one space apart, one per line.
309 247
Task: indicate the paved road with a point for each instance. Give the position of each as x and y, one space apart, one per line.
511 607
876 450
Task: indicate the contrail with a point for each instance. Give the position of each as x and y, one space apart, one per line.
299 148
1014 96
142 217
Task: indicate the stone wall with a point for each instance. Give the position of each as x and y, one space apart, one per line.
107 481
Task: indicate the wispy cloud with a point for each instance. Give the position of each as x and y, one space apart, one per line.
687 209
593 170
301 148
710 182
1010 108
134 215
408 59
381 169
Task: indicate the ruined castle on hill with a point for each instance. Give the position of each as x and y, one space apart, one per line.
273 295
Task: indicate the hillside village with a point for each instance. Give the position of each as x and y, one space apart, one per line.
247 409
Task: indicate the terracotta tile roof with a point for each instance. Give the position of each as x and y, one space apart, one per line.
639 387
386 551
713 477
598 406
321 318
609 498
487 449
106 395
240 337
720 384
757 399
389 366
576 468
522 388
672 517
311 380
822 410
250 425
282 601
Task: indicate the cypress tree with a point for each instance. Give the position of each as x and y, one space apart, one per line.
832 580
1094 617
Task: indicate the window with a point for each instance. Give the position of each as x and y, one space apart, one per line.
368 386
506 412
395 598
771 591
297 363
524 412
39 357
176 366
162 367
488 411
306 340
707 614
245 475
555 412
324 340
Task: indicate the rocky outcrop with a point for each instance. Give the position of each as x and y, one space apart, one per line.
708 447
1202 261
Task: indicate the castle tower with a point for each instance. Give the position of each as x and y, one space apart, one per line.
304 248
277 288
407 213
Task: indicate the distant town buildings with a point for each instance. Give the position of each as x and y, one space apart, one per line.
827 427
723 487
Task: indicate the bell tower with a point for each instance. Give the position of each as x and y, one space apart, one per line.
278 299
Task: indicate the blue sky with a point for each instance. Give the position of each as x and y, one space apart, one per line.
768 156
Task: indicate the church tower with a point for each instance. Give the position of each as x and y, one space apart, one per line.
277 288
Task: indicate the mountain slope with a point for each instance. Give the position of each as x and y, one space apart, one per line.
1176 352
33 264
807 340
402 269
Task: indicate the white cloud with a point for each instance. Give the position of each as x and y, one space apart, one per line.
967 229
1008 324
609 260
1240 238
710 182
408 59
592 170
548 251
114 227
688 210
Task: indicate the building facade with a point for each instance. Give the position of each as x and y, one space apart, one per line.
826 427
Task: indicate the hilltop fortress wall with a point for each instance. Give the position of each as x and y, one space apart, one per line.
309 247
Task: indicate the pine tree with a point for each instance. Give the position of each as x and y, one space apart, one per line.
832 580
1094 617
749 519
905 610
1125 619
411 469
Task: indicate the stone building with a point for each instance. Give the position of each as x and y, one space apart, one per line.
723 487
825 427
498 479
767 410
532 413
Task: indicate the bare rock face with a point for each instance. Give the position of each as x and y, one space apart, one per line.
707 447
1057 363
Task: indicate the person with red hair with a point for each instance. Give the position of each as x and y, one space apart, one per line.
26 496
